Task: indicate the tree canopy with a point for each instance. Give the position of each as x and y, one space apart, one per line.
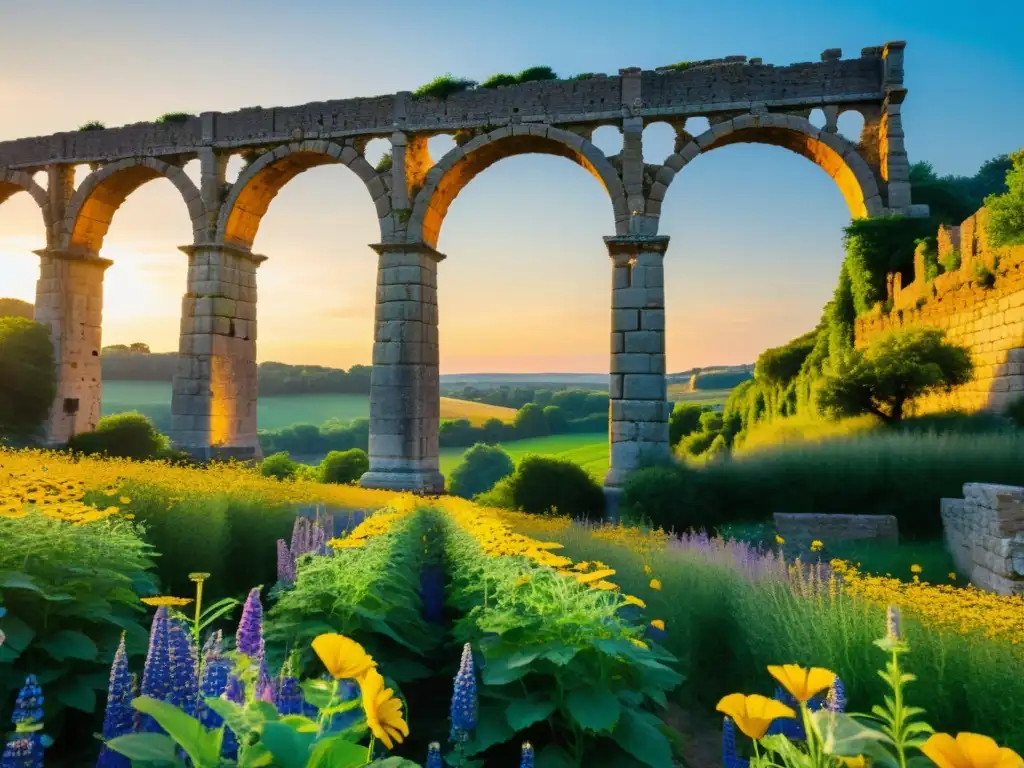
28 376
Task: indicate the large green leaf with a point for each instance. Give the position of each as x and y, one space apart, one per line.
239 720
14 580
497 671
406 670
554 757
395 762
19 634
336 752
146 748
201 745
561 655
77 694
491 728
289 747
523 713
642 740
69 644
844 736
594 710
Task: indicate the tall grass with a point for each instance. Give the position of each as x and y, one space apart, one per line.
731 609
900 473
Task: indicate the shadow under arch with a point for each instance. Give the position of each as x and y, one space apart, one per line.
461 165
832 153
92 207
13 182
260 182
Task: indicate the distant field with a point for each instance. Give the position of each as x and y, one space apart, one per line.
152 397
678 393
589 451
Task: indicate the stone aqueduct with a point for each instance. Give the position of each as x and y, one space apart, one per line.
214 391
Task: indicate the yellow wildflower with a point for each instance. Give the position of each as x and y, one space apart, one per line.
633 600
969 750
383 711
915 568
753 714
658 624
638 643
167 600
803 684
344 658
656 584
779 540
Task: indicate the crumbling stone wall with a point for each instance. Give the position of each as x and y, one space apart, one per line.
984 532
987 320
799 529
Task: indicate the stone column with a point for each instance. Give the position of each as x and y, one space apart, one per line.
405 391
638 405
213 405
892 150
69 299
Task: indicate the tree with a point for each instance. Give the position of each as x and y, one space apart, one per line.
139 347
129 435
481 467
344 467
530 421
555 418
892 371
16 308
28 376
684 421
1006 211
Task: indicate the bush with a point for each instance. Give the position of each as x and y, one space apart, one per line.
531 74
69 589
684 421
481 467
651 497
443 86
343 467
496 81
28 382
1006 210
128 435
279 465
531 422
92 125
16 308
542 484
695 444
173 117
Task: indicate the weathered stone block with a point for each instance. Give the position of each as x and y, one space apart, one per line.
630 363
625 320
647 342
638 386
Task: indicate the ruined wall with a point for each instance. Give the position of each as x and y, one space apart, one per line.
987 320
985 534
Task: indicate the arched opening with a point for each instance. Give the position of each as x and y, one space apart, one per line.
850 125
817 118
659 142
608 139
755 253
22 231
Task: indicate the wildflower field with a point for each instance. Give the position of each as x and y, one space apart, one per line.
154 616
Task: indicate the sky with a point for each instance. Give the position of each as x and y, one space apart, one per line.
756 232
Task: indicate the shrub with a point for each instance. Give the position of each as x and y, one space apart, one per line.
385 162
530 421
531 74
279 465
695 444
711 421
1006 210
173 117
985 277
555 417
443 86
951 261
92 125
481 467
496 81
651 497
541 484
344 466
128 435
28 381
69 589
584 76
684 421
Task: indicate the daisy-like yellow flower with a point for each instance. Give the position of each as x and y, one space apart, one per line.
125 500
647 569
167 600
344 658
779 540
522 580
658 624
816 546
383 710
803 684
915 568
656 584
634 600
753 714
969 750
586 578
638 643
604 586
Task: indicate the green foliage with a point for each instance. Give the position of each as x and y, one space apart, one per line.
443 86
69 591
679 66
684 421
173 117
541 484
556 653
482 466
370 593
530 421
1006 210
307 439
876 247
16 308
984 276
497 81
928 249
780 365
726 379
696 443
344 466
92 125
895 369
651 497
385 163
28 381
951 199
951 261
532 74
584 76
711 421
279 465
122 435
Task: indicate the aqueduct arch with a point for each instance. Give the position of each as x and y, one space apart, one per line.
215 387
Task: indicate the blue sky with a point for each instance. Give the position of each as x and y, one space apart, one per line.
756 231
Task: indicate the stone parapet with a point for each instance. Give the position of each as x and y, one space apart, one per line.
984 532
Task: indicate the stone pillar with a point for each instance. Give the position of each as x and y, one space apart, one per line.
69 299
892 150
405 391
638 405
213 405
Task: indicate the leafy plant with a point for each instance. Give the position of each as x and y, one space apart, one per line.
173 117
279 465
496 81
532 74
951 261
986 277
92 125
385 163
1006 210
344 466
29 381
129 435
481 467
443 86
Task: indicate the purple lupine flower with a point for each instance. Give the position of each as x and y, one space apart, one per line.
249 638
300 536
24 749
289 699
836 699
182 663
156 675
729 757
526 761
119 718
464 697
285 563
216 671
434 755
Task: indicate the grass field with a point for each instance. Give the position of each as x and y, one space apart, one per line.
284 410
590 451
678 393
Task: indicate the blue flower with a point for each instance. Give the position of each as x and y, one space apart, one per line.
434 756
28 707
526 761
464 697
249 638
25 747
216 671
836 699
156 675
289 697
181 656
119 718
729 757
23 751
